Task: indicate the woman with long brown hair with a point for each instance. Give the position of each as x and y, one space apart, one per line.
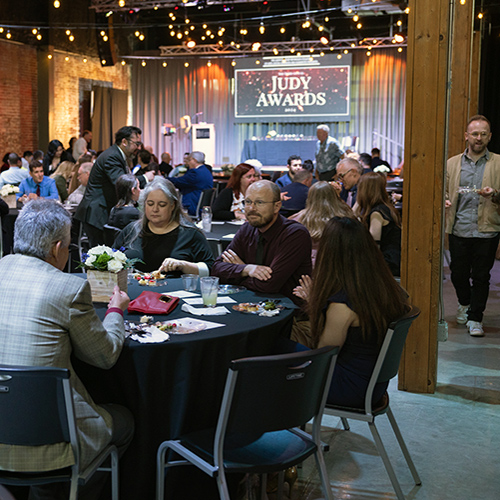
351 298
323 203
229 204
380 217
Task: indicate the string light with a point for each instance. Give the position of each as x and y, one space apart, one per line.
121 3
8 35
143 63
355 18
123 63
39 36
407 10
359 26
209 63
282 29
233 63
165 64
85 59
339 56
186 64
480 15
400 49
66 58
462 2
34 31
71 38
49 56
141 37
191 44
368 53
57 4
103 62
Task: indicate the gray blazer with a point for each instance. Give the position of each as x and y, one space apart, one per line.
45 316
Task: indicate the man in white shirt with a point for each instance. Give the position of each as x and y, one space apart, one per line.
15 174
81 145
83 177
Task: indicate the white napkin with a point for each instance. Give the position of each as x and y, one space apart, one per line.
198 301
205 311
181 294
153 336
230 235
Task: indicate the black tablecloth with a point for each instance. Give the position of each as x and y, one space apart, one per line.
276 152
176 387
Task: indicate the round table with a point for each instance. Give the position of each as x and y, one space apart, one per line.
176 386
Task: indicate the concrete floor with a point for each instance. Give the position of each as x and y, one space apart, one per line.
453 435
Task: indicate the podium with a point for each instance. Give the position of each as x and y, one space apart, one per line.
203 139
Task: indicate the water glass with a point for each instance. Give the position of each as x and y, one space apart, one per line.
190 282
209 287
206 219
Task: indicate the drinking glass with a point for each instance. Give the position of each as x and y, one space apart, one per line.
209 287
206 219
190 282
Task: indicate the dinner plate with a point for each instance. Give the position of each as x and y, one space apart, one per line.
182 327
229 289
247 308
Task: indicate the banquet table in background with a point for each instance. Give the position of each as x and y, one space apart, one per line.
276 152
176 387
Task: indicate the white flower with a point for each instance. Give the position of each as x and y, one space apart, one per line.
9 189
119 256
114 265
90 260
100 249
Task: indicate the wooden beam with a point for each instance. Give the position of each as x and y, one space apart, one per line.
464 76
425 157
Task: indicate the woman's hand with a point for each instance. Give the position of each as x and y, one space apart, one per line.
239 215
304 289
170 265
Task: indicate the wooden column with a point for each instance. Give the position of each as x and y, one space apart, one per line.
464 75
424 162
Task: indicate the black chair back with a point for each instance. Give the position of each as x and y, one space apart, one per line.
32 406
110 234
279 392
205 200
392 347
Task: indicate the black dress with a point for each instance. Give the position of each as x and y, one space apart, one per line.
354 366
390 241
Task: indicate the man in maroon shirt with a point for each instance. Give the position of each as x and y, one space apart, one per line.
269 254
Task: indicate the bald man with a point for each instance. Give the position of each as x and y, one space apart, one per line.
269 253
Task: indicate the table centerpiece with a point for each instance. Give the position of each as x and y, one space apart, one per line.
8 194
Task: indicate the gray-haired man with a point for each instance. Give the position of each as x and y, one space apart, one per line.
328 154
46 316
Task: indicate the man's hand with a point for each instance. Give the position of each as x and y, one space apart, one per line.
262 273
337 186
231 257
119 299
487 192
239 215
284 197
304 289
447 204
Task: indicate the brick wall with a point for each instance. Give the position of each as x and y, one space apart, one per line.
70 77
18 98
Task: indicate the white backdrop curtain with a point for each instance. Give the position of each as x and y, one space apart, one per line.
165 94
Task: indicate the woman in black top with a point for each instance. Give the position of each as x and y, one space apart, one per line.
380 217
165 238
127 192
229 204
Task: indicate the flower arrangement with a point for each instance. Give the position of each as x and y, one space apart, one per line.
104 258
8 189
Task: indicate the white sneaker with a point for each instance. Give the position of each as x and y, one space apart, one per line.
462 314
475 328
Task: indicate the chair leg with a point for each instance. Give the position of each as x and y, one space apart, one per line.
387 462
114 475
222 485
345 423
404 449
73 492
281 481
263 486
160 473
325 482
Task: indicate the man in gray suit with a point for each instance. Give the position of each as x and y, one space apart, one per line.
100 195
46 316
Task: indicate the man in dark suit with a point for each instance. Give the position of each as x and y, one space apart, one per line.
297 192
194 181
100 195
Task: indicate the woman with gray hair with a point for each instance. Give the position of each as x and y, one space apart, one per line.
165 238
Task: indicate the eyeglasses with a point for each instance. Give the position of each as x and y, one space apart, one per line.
340 176
477 135
256 204
137 143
